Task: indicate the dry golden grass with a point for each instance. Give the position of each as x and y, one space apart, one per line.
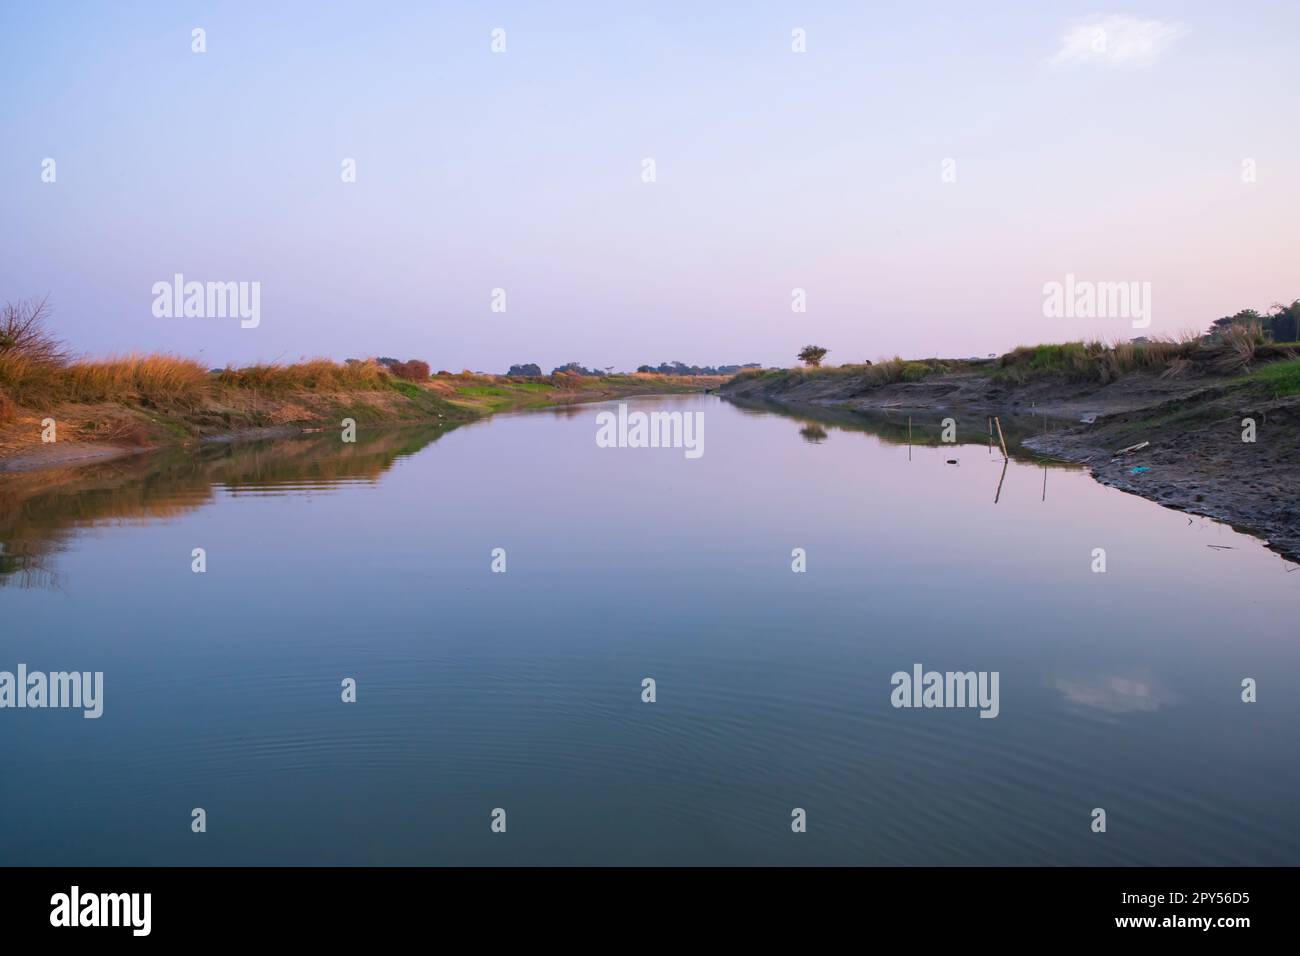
466 377
1234 348
30 381
167 380
313 374
157 379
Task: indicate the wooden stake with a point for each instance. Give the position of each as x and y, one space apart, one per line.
997 421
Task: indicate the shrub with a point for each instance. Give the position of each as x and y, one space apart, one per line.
413 370
23 333
1234 347
899 370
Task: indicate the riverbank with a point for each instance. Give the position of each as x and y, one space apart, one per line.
1189 426
228 408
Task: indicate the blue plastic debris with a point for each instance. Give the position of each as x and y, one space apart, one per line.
1138 469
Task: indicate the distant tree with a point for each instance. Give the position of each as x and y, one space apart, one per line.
812 355
1284 322
1244 317
574 368
525 369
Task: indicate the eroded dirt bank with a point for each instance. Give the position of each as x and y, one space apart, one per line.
1194 459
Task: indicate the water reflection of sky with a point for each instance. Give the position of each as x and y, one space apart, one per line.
479 690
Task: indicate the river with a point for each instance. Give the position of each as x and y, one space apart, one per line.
524 690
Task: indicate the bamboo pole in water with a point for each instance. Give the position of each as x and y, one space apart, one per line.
997 421
990 434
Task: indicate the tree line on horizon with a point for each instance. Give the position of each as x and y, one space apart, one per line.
531 369
1282 324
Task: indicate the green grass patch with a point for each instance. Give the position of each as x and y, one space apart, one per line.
409 389
1279 378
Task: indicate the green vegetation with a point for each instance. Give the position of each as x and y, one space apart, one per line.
409 389
1233 350
812 355
901 370
1279 378
873 374
1282 323
1097 361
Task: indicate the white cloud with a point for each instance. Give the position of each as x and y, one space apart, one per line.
1118 694
1117 39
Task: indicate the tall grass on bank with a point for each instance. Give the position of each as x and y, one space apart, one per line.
1230 352
873 374
1234 348
30 381
321 373
1098 361
156 379
902 370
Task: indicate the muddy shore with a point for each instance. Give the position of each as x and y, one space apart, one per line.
1194 458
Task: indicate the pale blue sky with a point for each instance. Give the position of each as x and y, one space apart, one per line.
522 170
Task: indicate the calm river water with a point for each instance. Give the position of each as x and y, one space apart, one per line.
523 690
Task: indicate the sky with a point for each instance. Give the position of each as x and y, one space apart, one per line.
920 170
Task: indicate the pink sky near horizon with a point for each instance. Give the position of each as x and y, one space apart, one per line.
522 170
